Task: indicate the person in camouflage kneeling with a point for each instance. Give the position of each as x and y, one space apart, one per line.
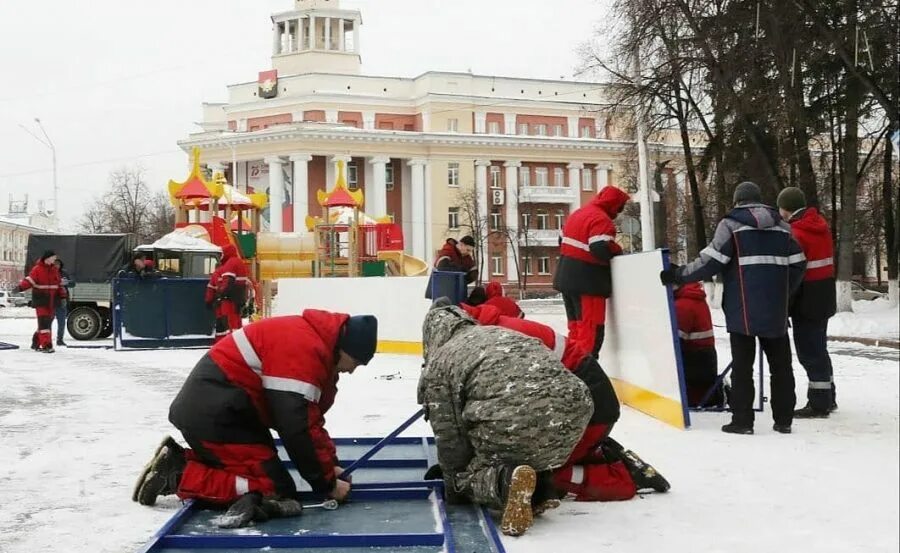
504 411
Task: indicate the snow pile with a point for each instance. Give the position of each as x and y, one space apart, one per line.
182 242
869 319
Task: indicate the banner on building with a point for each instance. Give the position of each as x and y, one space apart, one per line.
268 84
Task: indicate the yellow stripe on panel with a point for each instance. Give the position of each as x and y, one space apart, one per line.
667 410
401 348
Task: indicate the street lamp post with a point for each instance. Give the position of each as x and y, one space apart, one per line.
49 144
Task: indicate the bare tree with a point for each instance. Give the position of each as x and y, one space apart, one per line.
476 224
130 207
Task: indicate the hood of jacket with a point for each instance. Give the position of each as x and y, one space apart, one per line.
441 323
493 290
328 326
756 215
228 251
691 290
809 220
611 200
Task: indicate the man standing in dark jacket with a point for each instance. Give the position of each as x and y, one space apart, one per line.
763 266
814 303
456 257
587 246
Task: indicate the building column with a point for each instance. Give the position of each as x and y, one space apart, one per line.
509 123
356 36
575 184
417 201
301 189
312 32
376 194
276 193
276 40
406 205
342 39
512 218
216 167
600 126
332 171
328 33
481 192
480 122
603 176
573 126
429 214
369 120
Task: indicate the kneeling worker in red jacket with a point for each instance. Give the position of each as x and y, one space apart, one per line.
279 373
698 344
599 468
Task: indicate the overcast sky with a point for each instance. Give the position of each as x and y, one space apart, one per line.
119 82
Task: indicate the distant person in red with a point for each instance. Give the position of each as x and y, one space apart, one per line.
492 294
599 468
279 373
140 267
456 257
46 290
227 291
698 344
587 246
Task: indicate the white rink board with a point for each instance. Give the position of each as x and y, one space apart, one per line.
641 350
398 302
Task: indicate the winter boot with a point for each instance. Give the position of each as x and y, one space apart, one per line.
162 475
516 490
735 428
48 349
60 342
546 496
34 342
782 428
644 475
808 412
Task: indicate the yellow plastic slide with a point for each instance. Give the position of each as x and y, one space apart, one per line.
406 265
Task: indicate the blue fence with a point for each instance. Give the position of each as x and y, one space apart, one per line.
161 313
449 284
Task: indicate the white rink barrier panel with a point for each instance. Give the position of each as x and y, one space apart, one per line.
641 352
399 304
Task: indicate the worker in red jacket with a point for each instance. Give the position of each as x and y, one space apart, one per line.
492 294
456 257
587 245
814 303
698 344
599 468
46 290
227 291
279 373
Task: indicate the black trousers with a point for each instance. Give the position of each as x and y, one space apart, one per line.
811 342
783 397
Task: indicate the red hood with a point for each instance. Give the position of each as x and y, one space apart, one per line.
228 251
692 290
326 324
493 290
811 221
611 200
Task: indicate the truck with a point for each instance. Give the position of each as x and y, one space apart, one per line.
92 261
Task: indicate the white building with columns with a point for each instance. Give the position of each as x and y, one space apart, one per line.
441 153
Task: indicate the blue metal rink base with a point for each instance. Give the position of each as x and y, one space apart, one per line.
391 508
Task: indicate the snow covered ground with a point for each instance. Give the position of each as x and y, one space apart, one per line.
870 319
77 426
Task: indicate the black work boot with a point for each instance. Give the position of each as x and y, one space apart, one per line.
60 342
644 475
516 490
736 428
782 428
809 412
162 475
546 496
34 342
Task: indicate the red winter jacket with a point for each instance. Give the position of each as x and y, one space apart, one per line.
287 367
450 259
816 298
695 326
46 285
231 279
495 297
588 244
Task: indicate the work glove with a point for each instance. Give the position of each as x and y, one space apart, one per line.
670 276
281 507
18 289
247 509
434 472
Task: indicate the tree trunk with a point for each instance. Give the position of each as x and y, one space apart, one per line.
847 220
696 204
890 214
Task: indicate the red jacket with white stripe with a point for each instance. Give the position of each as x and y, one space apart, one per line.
695 326
287 367
46 285
816 299
231 279
495 297
588 244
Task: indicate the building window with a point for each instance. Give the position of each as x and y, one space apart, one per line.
352 176
496 220
525 176
526 220
587 179
495 176
497 266
541 130
389 176
543 265
453 174
560 219
557 130
543 220
523 129
452 125
493 127
559 177
385 126
453 218
540 176
585 132
526 265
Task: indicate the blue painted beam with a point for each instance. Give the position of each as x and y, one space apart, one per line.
299 541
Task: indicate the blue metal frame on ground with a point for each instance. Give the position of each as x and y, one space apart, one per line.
399 511
720 381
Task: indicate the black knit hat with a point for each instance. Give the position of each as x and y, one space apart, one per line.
747 193
47 253
359 338
468 241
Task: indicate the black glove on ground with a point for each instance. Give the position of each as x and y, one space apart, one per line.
669 276
279 507
242 512
434 472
